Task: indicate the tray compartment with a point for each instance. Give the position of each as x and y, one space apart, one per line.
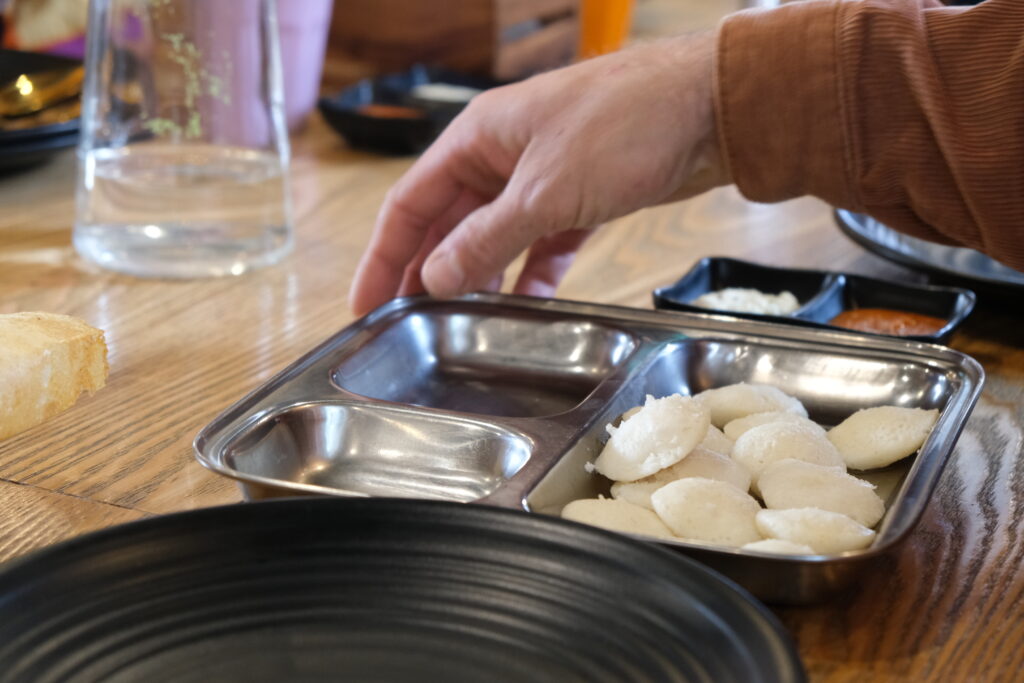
832 384
503 366
948 303
373 450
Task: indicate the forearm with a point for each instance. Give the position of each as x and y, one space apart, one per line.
901 108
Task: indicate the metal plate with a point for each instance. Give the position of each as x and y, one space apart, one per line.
950 262
376 409
377 590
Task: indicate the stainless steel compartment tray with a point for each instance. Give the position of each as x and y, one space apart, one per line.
503 400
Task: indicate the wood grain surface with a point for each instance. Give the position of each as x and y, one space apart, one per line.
945 606
32 518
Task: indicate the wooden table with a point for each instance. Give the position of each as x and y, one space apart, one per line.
947 606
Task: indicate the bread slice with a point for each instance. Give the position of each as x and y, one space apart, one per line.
46 362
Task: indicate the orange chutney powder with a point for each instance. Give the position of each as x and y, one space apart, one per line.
886 321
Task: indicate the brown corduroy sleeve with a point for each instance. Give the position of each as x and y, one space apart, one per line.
904 109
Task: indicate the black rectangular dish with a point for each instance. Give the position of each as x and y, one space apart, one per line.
503 401
821 294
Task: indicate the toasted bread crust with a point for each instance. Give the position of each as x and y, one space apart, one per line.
46 362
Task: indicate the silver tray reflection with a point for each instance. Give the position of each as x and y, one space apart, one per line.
954 262
503 400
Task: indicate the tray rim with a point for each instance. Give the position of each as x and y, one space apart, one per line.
612 315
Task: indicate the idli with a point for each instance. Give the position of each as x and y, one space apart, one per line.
741 425
796 484
824 531
707 510
738 400
701 462
877 437
616 515
658 436
769 443
778 547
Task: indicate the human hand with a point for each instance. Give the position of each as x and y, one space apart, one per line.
540 163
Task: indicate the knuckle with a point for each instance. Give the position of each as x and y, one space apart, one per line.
391 197
547 206
474 253
485 101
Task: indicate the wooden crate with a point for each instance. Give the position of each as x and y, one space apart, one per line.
502 39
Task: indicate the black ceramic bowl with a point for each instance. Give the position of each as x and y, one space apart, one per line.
328 589
347 112
822 294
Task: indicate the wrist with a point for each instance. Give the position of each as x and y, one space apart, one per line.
693 56
778 105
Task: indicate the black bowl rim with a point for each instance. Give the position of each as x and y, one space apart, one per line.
849 222
33 567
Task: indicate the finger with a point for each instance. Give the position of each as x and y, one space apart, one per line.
397 237
467 202
412 283
418 199
481 247
495 284
548 261
452 164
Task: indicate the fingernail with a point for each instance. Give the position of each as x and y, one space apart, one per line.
443 276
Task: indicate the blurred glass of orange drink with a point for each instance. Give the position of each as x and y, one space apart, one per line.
604 25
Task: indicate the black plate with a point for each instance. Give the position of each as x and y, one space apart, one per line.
30 152
46 130
822 294
13 63
949 263
395 135
376 589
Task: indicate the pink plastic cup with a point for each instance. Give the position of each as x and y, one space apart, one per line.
304 26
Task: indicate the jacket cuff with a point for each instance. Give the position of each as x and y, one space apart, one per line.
778 106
